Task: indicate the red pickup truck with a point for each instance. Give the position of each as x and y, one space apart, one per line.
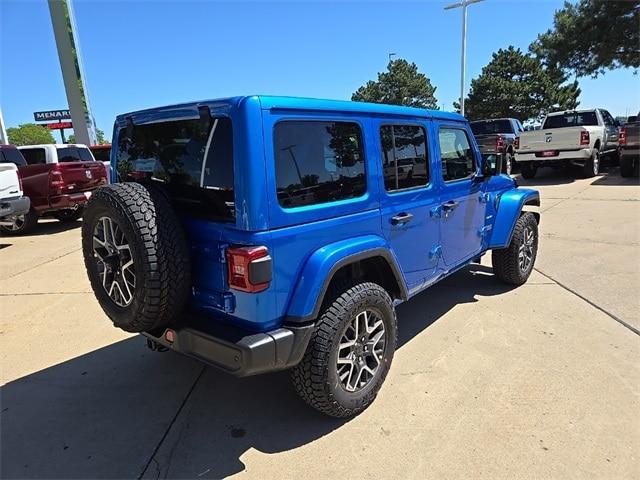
58 179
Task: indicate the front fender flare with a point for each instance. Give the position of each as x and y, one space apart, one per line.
510 205
321 266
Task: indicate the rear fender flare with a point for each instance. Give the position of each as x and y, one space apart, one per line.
322 265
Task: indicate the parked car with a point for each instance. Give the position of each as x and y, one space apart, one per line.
102 153
266 233
630 147
58 179
579 137
496 137
13 203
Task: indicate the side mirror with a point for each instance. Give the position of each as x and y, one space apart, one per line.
491 165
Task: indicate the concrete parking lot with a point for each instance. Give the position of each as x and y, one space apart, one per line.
541 381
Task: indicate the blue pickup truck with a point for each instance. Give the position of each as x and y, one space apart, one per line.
267 233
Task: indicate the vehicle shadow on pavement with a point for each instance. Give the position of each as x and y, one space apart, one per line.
48 227
614 178
122 410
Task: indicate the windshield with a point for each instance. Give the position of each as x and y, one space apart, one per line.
488 127
171 154
571 119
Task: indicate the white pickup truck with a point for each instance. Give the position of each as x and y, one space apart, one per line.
12 201
579 137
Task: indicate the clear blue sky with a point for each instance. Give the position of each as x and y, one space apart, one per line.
149 53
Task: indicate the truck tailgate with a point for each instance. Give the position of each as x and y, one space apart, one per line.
553 139
82 176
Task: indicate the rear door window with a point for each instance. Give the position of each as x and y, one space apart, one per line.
12 155
404 157
318 162
69 154
34 156
173 154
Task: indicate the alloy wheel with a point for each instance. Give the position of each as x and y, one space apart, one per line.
18 223
361 350
525 252
114 260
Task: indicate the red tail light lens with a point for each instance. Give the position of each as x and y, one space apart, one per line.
499 144
584 138
622 138
250 268
56 180
516 143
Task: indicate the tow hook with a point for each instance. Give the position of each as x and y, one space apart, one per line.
155 346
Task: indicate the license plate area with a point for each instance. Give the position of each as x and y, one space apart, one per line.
548 153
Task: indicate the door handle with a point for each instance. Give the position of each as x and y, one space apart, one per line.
450 205
401 218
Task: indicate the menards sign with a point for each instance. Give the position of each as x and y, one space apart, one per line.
52 115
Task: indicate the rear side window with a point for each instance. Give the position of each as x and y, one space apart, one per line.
571 119
85 155
34 156
69 154
456 154
318 162
172 154
404 157
12 155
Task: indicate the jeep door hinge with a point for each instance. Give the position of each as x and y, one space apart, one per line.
482 232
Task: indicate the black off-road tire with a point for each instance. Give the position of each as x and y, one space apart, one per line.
315 378
627 167
159 250
506 261
69 215
26 224
528 170
592 165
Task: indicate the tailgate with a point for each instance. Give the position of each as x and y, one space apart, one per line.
9 183
551 139
486 143
83 175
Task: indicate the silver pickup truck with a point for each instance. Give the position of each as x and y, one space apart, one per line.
578 137
630 147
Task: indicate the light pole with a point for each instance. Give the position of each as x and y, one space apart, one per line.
391 55
464 4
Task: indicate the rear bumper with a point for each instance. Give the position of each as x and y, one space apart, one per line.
14 206
633 152
579 155
66 201
237 352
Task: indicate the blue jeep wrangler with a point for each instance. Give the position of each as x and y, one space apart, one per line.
265 233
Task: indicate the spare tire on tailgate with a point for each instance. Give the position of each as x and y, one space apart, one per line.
136 255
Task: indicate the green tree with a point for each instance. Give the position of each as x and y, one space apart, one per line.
29 134
514 84
99 136
401 84
592 36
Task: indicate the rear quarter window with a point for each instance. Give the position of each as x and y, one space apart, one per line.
318 162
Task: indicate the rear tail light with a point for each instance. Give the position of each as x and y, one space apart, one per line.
250 268
516 143
499 144
584 138
56 180
622 138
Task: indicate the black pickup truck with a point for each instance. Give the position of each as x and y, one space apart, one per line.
496 137
629 141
